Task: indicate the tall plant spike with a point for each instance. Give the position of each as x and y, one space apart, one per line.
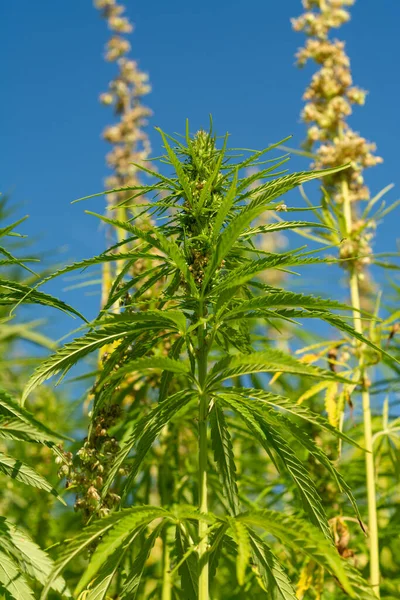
329 100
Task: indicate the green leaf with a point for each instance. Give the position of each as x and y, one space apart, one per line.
271 571
18 423
19 471
12 581
272 440
132 582
168 246
182 178
276 297
32 560
72 548
278 421
302 537
189 568
125 528
279 226
225 207
19 293
144 435
114 330
287 405
247 214
245 273
151 363
240 535
271 360
224 458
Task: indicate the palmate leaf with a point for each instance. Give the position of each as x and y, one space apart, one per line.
19 471
276 297
270 360
126 528
182 177
144 435
17 423
100 586
19 293
301 537
30 558
72 548
246 272
160 242
12 583
254 209
151 363
132 582
189 568
128 328
275 445
279 226
241 537
224 458
225 207
280 422
282 403
272 573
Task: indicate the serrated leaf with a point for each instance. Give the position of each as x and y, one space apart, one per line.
32 560
224 457
12 581
132 582
272 573
151 363
127 525
15 418
240 535
19 293
189 568
302 537
69 354
274 444
271 360
145 433
19 471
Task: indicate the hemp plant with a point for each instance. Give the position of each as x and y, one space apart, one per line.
204 257
331 141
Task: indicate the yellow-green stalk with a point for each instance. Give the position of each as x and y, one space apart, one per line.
329 100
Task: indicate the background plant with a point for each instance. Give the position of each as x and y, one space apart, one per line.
329 100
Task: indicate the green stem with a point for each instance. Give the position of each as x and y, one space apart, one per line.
203 455
166 575
366 404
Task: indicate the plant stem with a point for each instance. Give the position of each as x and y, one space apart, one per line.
366 404
166 576
203 455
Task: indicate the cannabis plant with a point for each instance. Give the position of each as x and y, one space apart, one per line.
206 268
329 101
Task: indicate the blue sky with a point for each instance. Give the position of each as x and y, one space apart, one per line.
229 58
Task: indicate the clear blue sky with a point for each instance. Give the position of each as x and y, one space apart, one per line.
229 58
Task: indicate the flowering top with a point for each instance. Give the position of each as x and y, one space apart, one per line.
130 141
330 96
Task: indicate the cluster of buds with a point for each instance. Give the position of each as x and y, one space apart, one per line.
198 266
355 250
130 141
330 97
87 472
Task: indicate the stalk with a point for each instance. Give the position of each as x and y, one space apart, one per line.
366 404
203 455
166 575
